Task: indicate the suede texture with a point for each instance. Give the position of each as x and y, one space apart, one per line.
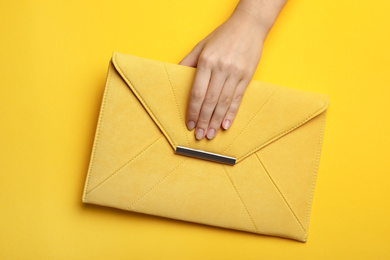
276 139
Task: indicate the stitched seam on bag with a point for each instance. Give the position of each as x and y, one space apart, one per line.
141 99
316 166
97 132
124 165
156 184
177 105
280 192
239 196
242 130
283 133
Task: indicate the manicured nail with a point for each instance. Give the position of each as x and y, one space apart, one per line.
199 133
226 124
191 125
211 133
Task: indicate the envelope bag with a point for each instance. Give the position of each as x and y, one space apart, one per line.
258 176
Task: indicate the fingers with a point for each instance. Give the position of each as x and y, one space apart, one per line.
214 102
198 93
209 104
191 59
215 98
235 104
222 106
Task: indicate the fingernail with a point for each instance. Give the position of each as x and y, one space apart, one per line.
199 133
211 133
226 124
191 125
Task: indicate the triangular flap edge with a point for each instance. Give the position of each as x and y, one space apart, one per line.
326 99
139 97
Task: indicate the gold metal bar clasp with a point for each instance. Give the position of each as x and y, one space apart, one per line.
205 155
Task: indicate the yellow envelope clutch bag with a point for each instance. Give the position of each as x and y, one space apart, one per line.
258 176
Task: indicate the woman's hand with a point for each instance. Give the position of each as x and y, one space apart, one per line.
226 61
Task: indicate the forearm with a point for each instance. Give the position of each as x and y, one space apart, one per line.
263 12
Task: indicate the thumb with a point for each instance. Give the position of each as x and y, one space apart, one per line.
191 60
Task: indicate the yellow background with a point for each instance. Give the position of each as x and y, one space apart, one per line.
54 57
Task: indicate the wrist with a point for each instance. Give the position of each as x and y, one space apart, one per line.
260 13
248 19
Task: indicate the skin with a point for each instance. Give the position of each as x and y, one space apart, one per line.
226 61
